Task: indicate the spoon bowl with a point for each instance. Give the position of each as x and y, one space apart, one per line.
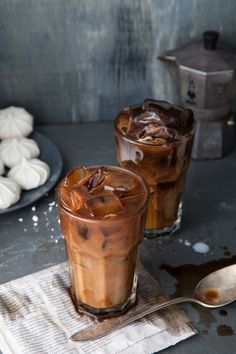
218 288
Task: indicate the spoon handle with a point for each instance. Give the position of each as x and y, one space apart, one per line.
107 326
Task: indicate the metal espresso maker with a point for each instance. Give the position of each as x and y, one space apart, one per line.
204 74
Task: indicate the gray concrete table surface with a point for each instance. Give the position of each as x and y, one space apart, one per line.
31 239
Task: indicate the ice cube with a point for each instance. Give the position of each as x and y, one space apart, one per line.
135 128
104 204
143 123
169 115
158 135
166 133
64 196
77 176
121 182
148 117
96 180
150 130
70 198
160 108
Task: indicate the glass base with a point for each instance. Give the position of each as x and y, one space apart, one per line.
100 314
103 313
166 231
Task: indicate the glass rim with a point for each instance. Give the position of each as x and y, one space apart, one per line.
143 143
121 217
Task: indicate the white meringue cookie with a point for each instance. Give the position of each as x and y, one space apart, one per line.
13 150
15 122
30 174
1 167
9 192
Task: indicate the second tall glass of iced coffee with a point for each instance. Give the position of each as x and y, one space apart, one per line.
154 139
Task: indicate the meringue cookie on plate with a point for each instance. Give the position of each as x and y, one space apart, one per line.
30 174
9 192
15 122
13 150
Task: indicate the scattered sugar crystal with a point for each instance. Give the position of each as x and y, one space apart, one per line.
33 208
59 221
52 229
52 236
35 224
20 219
180 240
35 218
187 243
25 230
201 247
50 208
56 241
52 203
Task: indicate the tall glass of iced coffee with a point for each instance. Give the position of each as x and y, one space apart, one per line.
103 214
154 140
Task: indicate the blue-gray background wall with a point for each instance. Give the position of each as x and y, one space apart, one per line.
83 60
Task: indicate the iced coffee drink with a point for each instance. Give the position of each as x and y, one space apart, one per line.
103 213
154 140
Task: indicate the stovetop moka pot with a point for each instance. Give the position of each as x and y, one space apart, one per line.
204 73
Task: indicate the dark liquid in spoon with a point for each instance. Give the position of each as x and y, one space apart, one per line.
211 296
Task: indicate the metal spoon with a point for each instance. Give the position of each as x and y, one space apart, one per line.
215 290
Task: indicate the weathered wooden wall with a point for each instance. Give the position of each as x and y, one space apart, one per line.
83 60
